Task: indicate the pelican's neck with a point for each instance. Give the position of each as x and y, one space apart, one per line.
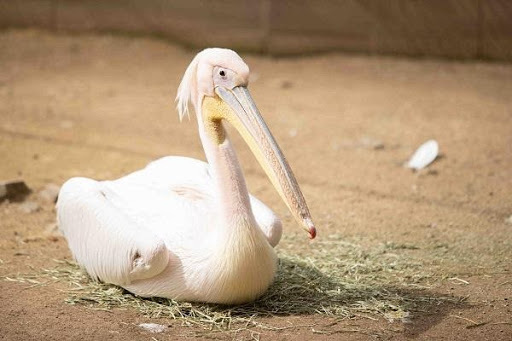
230 187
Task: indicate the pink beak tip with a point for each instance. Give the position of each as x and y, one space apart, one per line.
312 232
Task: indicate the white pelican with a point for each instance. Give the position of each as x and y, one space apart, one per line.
182 228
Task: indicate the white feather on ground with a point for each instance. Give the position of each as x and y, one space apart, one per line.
424 155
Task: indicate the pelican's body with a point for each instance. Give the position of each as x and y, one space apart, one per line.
182 228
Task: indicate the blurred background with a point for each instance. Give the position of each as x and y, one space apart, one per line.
466 29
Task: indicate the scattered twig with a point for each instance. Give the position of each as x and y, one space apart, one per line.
337 331
477 325
465 319
456 279
495 323
488 322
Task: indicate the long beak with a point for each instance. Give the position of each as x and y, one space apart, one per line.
248 121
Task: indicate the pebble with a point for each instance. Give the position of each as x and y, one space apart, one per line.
153 327
371 143
49 193
14 190
29 207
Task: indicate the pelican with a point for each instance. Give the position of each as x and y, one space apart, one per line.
181 228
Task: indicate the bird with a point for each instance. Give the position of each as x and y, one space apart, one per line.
182 228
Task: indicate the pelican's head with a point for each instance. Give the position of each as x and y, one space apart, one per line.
216 84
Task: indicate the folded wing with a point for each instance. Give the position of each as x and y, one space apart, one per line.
111 246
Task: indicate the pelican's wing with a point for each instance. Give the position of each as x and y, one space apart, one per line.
267 220
110 245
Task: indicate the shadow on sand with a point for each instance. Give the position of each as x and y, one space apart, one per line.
302 289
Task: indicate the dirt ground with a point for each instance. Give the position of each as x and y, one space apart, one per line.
103 106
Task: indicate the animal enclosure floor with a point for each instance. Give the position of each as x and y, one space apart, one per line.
102 106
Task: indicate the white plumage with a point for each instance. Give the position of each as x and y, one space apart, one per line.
182 228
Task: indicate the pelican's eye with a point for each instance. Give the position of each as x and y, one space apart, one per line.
223 77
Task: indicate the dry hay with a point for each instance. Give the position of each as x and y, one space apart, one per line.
333 278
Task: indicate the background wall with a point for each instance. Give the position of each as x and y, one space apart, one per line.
441 28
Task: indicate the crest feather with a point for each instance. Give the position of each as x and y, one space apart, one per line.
184 94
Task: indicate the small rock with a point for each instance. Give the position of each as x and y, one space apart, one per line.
29 207
14 190
153 327
371 143
49 193
509 220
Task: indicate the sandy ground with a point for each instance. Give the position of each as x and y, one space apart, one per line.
102 106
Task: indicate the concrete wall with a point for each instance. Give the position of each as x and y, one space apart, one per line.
441 28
